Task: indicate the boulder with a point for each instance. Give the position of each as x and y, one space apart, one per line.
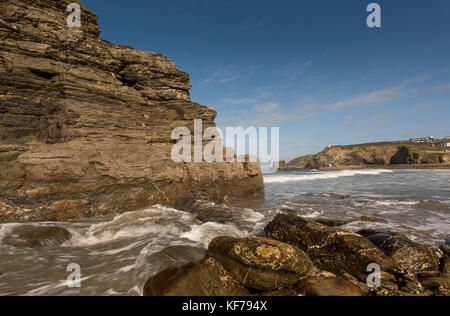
260 263
217 215
201 278
328 286
444 266
331 222
330 249
408 256
438 284
169 257
37 236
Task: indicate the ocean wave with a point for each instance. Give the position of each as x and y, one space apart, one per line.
157 220
322 176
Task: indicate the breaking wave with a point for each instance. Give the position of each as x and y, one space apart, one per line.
321 175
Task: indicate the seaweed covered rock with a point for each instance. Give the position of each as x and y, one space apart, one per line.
37 236
408 256
260 263
201 278
330 249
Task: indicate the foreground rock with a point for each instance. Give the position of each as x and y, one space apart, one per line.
217 215
260 263
37 236
170 257
330 249
85 125
201 278
328 286
408 256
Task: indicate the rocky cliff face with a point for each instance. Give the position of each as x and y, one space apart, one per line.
85 125
375 154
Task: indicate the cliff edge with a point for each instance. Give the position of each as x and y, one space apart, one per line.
85 125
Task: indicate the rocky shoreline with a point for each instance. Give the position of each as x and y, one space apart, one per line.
300 257
292 256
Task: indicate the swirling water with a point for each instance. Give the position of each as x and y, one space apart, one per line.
112 251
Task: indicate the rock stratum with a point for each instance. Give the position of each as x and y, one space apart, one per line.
386 154
85 125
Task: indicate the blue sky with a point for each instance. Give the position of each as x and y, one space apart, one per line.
312 68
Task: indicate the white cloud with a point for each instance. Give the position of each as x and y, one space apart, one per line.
266 107
222 77
369 98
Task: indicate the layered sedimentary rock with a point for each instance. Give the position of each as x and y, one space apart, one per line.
85 125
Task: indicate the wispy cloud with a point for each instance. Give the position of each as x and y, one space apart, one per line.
267 107
373 97
247 100
372 121
422 106
222 77
295 70
441 88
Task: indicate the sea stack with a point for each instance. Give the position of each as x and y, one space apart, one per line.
85 125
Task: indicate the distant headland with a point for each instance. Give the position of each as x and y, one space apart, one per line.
416 153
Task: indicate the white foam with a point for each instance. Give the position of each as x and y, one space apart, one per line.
6 229
155 220
204 234
397 203
321 176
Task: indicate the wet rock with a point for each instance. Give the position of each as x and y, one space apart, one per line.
331 222
330 249
201 278
185 204
282 292
328 286
439 284
444 265
260 263
371 219
216 215
370 232
409 257
36 236
171 257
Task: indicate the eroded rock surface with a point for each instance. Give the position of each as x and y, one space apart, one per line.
202 278
260 263
85 125
330 249
408 255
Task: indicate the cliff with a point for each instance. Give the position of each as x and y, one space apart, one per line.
374 154
85 125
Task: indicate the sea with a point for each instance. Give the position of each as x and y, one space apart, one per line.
113 252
